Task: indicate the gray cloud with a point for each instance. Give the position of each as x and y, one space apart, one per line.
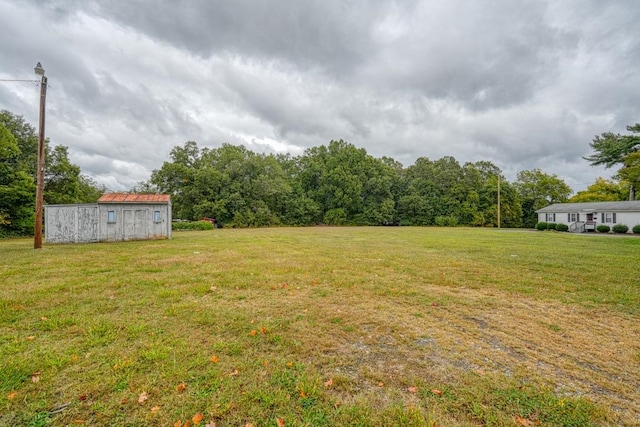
523 84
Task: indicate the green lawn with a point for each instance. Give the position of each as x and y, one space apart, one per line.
323 326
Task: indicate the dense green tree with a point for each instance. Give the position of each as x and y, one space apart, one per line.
63 181
603 190
17 188
347 183
612 149
537 190
231 183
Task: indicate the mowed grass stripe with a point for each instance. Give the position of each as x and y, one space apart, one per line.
504 324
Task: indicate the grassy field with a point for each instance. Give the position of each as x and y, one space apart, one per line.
323 326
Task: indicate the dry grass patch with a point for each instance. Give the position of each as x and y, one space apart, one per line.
322 326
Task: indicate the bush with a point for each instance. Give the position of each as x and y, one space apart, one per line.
562 227
620 228
602 228
446 221
551 226
336 216
195 225
636 229
541 226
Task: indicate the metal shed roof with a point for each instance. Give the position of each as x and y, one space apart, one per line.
632 206
134 198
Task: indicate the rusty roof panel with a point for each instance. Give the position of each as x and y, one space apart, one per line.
134 198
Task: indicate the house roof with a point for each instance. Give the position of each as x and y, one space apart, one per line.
134 198
632 206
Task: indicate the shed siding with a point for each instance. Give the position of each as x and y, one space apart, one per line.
71 223
135 222
87 223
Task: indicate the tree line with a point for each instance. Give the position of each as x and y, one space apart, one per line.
340 184
334 184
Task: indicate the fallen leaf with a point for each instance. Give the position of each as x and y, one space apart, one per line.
280 422
214 359
35 377
82 397
211 424
284 285
44 318
143 397
177 423
329 382
413 389
197 418
31 338
380 384
436 391
124 401
253 332
265 362
263 330
434 304
155 409
12 395
181 387
290 364
248 425
524 421
234 373
337 405
303 394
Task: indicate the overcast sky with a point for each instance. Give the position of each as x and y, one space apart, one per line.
524 84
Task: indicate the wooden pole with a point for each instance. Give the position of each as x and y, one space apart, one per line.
37 239
499 222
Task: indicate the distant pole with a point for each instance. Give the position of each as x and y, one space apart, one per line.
37 239
499 201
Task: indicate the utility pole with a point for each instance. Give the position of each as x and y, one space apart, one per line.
499 200
37 239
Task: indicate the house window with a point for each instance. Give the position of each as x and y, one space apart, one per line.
550 217
156 216
574 217
609 217
111 217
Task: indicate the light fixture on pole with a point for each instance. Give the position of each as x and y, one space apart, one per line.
37 239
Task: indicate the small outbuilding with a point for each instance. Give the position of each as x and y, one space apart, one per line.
581 217
115 217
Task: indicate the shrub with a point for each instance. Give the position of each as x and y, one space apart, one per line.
562 227
620 228
636 229
336 216
551 226
602 228
446 221
541 226
195 225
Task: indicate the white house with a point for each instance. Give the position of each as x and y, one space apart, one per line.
586 216
115 217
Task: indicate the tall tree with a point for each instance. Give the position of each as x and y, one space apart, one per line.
602 190
611 149
17 188
537 190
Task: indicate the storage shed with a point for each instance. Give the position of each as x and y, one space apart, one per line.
115 217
